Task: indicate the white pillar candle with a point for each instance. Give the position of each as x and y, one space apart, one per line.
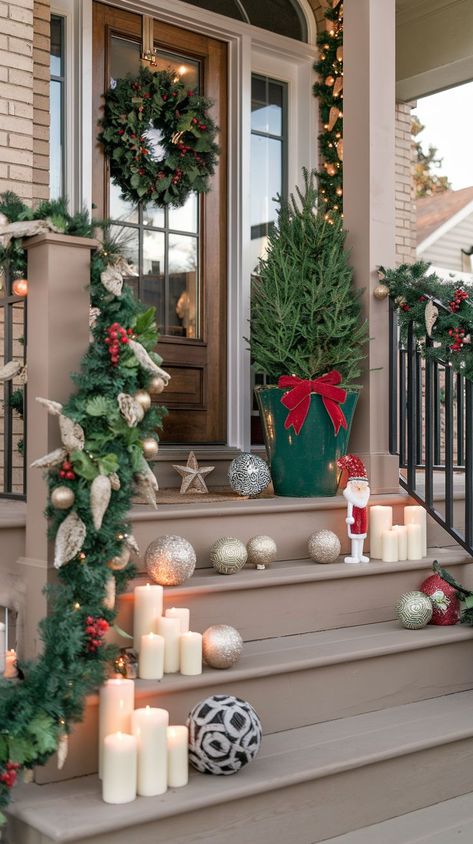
414 542
148 608
11 670
119 768
150 728
151 658
416 515
183 614
190 649
178 753
115 710
170 630
2 647
390 546
401 531
380 519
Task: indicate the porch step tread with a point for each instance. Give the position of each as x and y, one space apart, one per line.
448 822
72 810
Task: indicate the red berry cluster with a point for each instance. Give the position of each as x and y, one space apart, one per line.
458 297
422 298
177 177
115 337
201 126
96 629
66 471
405 306
8 777
457 334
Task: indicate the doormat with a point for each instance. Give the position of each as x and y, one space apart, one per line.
214 496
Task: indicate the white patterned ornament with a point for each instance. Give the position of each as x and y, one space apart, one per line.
248 474
414 610
228 555
324 546
170 560
224 735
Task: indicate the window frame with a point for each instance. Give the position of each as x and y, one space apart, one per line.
62 79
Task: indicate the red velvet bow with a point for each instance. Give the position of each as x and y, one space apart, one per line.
297 400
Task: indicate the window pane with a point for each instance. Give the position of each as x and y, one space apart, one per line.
182 314
185 219
56 151
266 106
153 216
266 178
120 209
125 58
57 46
185 69
128 240
153 290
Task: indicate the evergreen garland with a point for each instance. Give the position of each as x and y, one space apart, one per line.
133 107
305 315
38 710
329 90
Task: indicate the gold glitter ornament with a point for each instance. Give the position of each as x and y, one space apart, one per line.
62 497
121 560
228 555
170 560
221 646
150 448
143 398
380 292
324 546
262 551
156 385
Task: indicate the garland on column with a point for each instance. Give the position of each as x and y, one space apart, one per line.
106 428
329 90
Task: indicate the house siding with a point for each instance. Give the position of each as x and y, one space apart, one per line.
446 251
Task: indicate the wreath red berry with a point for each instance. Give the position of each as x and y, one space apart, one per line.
159 138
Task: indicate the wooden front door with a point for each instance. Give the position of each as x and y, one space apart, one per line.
179 255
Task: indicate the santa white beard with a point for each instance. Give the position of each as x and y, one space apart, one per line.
359 498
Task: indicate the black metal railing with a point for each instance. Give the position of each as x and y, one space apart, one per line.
12 393
431 429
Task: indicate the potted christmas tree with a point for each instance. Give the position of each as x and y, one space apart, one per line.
308 338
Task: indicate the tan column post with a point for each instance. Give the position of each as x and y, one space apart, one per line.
57 337
369 210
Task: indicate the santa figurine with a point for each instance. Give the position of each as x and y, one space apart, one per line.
357 493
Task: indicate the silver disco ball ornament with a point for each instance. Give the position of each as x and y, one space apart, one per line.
221 646
262 551
414 610
224 735
228 555
248 474
170 560
324 546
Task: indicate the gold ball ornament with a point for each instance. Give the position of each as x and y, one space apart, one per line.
156 385
228 555
62 497
150 447
262 551
121 561
221 646
381 292
170 560
324 546
414 610
143 398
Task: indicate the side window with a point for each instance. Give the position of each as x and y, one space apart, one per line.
56 94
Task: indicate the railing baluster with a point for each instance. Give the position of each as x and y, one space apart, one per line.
429 428
449 446
419 414
460 420
436 415
395 396
468 462
411 408
402 408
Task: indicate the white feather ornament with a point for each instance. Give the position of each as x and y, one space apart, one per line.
72 434
112 280
100 493
62 750
69 539
110 593
114 481
132 544
130 409
431 315
54 458
10 369
147 362
53 407
144 490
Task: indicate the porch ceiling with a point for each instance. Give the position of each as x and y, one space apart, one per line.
433 46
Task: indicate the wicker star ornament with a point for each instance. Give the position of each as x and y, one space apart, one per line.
193 476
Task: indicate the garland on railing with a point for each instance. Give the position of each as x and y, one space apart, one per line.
439 309
105 428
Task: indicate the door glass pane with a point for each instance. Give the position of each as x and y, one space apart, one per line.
153 279
56 152
57 42
184 68
183 296
124 57
185 219
266 106
266 181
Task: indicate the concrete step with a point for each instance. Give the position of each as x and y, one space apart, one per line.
294 681
307 784
262 604
449 822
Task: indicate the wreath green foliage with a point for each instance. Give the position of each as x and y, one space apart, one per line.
411 286
40 708
157 101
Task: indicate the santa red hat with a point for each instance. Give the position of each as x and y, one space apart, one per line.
354 466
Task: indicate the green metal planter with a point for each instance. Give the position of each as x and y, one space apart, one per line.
305 464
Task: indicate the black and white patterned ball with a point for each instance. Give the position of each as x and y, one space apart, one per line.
224 735
248 474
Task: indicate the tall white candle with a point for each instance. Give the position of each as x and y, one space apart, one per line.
115 710
148 608
11 670
151 660
414 542
178 757
401 531
170 630
416 515
380 519
183 614
119 768
390 546
150 728
190 648
2 647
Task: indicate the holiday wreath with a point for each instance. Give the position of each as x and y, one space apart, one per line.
158 137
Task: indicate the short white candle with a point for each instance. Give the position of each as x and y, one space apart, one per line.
119 768
170 630
414 542
183 614
115 710
416 515
11 670
148 608
401 531
2 647
190 645
390 546
150 728
151 657
178 756
380 519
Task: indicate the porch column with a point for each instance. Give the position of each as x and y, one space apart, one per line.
57 337
369 208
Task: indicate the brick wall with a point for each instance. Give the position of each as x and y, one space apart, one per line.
405 193
41 47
